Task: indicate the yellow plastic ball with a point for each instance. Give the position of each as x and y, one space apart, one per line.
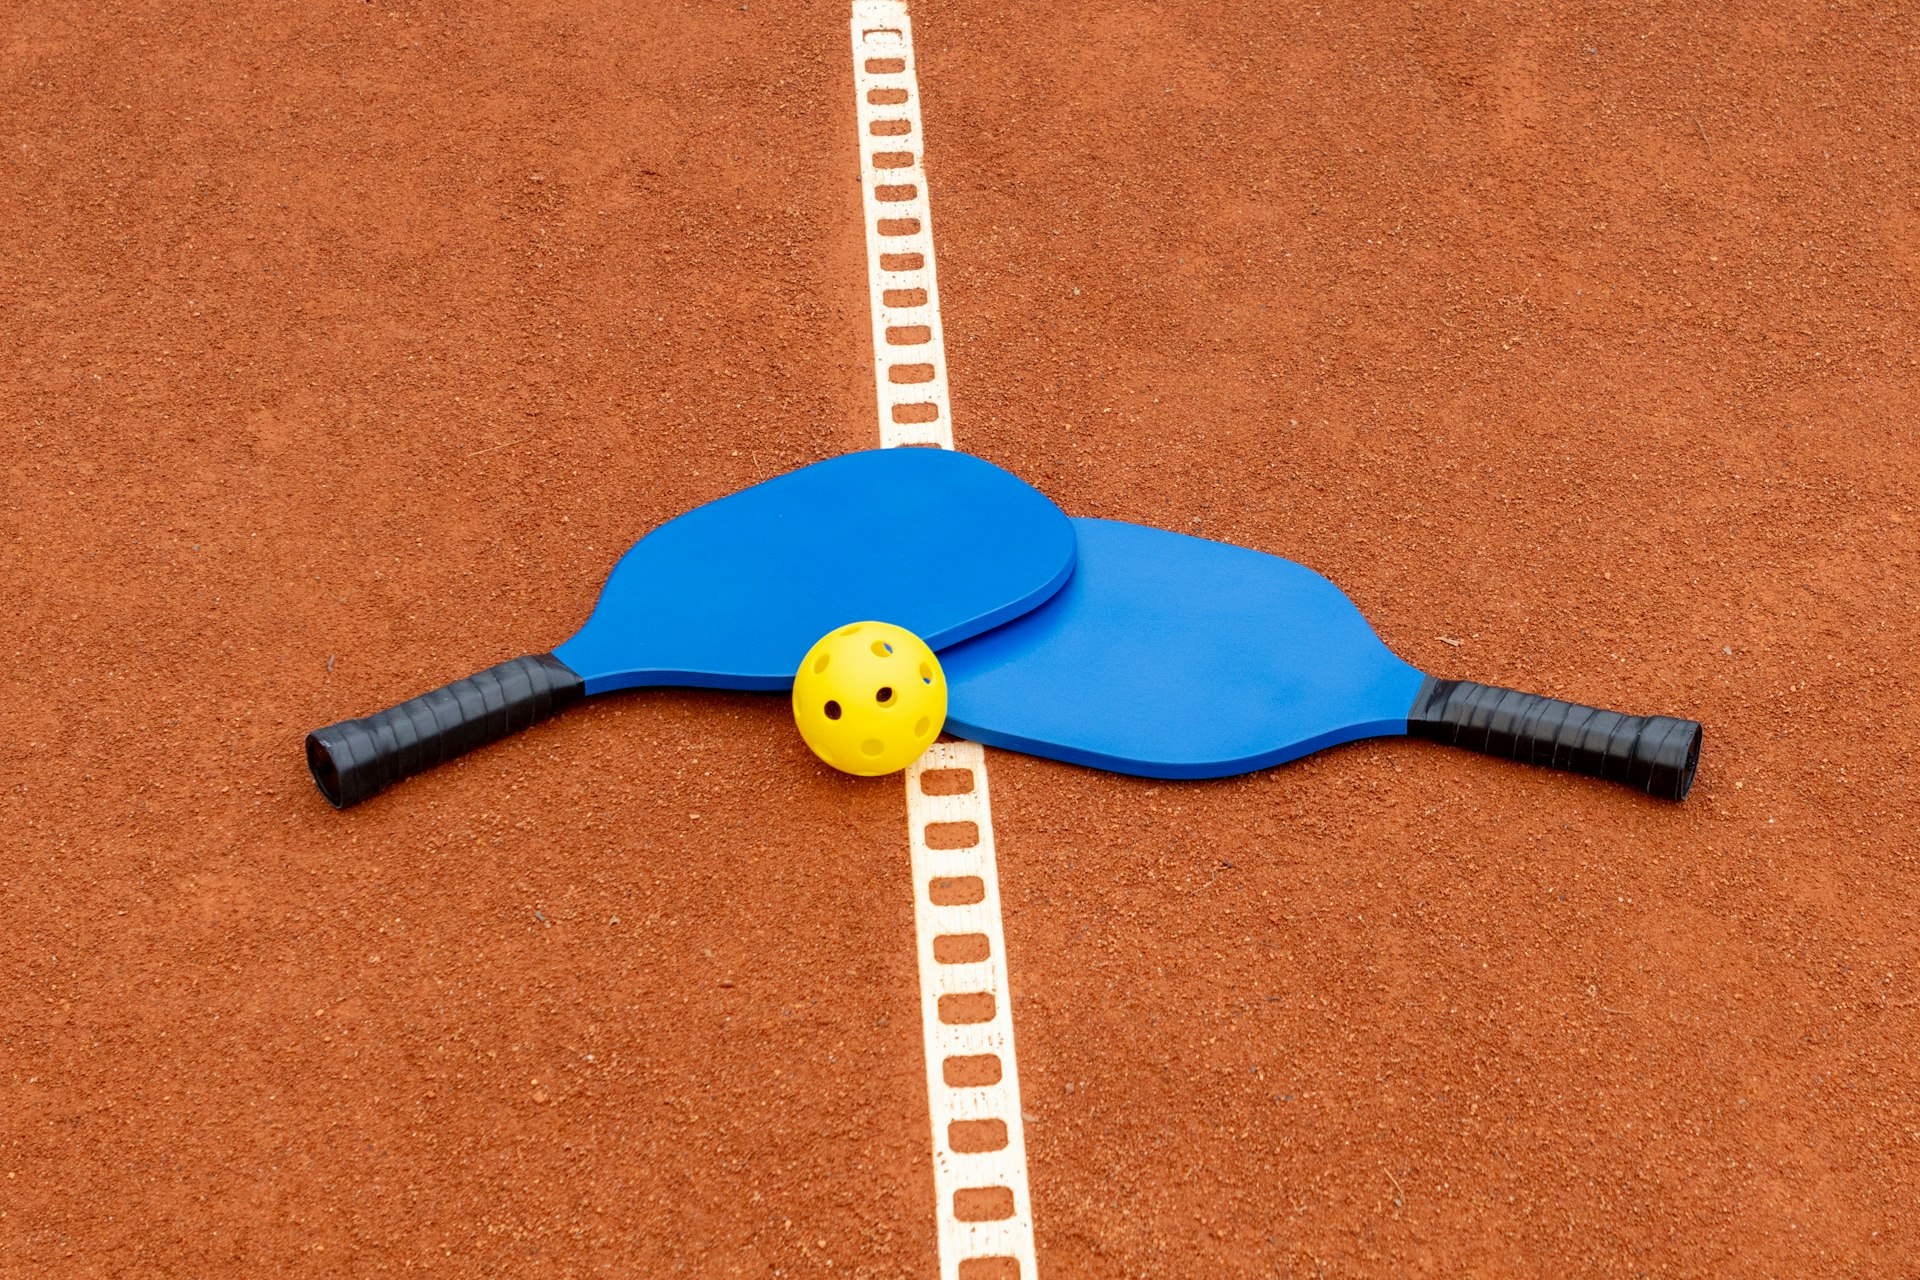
869 698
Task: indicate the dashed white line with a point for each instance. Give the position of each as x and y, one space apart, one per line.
909 351
983 1206
973 1076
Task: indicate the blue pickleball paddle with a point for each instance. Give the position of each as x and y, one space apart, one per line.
1175 657
732 594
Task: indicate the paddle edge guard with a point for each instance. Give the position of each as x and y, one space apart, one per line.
356 759
1654 754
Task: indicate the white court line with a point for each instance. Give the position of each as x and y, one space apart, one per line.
909 352
982 1202
973 1082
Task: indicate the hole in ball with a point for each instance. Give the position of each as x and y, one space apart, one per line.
921 726
884 695
820 663
833 710
881 649
872 747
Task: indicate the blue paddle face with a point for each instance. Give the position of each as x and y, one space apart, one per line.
1176 657
732 594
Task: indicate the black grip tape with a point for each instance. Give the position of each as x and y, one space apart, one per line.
1656 754
355 759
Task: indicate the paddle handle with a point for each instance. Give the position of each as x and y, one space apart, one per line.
355 759
1656 754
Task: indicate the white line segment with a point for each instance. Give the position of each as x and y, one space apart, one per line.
973 1081
909 352
983 1206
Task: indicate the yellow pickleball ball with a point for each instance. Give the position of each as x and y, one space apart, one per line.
869 698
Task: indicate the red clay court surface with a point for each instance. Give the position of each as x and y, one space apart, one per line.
344 345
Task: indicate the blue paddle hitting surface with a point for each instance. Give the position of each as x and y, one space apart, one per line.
1171 656
731 595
